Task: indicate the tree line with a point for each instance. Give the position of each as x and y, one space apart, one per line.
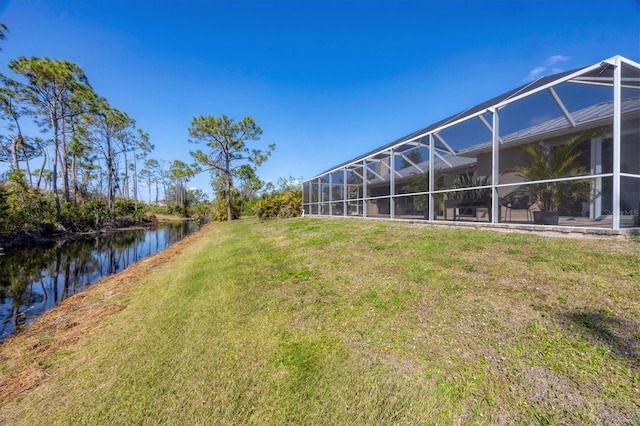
89 160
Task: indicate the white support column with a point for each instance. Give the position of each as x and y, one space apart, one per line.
595 210
617 117
432 177
392 184
330 193
319 184
495 168
319 195
345 192
364 188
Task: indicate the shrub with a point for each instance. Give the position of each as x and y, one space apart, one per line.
22 207
88 215
128 207
200 209
219 206
279 205
93 212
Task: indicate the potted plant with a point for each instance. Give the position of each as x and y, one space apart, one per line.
542 162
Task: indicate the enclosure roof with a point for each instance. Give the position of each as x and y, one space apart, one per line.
521 91
581 118
467 157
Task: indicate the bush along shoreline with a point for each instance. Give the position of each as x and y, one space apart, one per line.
46 234
28 216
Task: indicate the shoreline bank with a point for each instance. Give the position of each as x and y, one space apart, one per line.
68 322
50 237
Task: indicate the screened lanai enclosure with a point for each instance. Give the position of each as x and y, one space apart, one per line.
563 150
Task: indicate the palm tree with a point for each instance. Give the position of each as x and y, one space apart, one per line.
543 162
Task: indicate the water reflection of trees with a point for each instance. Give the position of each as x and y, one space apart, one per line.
37 279
16 285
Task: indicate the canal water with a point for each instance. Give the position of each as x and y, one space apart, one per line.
37 279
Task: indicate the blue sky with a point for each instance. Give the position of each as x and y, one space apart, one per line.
326 80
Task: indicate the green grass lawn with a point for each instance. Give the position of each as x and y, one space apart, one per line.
311 321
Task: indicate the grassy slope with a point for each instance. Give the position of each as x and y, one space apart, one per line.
311 321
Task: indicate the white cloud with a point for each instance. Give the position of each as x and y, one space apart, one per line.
556 58
534 73
542 69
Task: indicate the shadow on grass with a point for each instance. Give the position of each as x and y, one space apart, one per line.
620 335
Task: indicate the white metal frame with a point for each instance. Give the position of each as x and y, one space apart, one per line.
442 153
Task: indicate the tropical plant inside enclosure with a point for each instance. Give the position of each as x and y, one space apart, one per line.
470 180
545 162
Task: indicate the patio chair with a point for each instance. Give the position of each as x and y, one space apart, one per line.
518 200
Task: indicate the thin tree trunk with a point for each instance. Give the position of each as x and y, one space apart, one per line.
110 176
74 177
64 158
15 142
135 180
227 179
26 160
44 164
54 179
125 178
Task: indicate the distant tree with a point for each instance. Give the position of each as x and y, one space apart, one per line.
198 204
227 151
152 173
145 176
289 184
44 175
180 174
141 148
136 142
106 129
195 195
163 177
269 188
250 183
